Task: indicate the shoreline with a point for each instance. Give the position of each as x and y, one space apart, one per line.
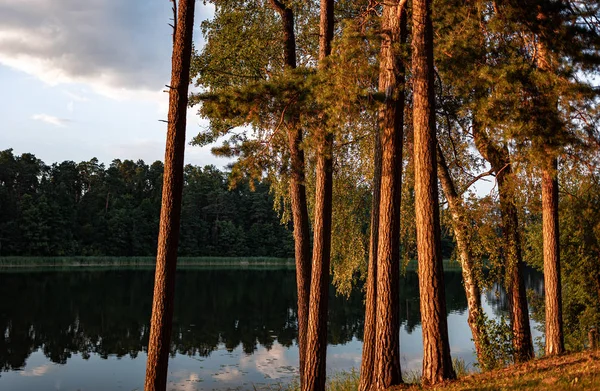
146 262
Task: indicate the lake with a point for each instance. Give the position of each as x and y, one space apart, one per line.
233 329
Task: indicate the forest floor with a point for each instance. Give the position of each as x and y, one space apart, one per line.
577 371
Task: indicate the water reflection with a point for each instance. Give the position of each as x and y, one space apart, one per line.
230 326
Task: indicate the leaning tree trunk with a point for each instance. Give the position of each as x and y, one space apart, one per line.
552 287
368 352
391 84
297 190
499 159
170 214
459 224
437 363
316 343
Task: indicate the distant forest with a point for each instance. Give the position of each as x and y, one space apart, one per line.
87 208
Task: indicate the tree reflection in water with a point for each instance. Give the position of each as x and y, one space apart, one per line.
106 312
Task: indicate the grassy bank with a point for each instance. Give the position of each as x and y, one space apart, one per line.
49 262
577 371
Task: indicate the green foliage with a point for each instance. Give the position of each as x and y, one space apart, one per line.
86 209
496 343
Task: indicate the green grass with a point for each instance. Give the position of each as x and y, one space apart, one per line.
577 371
53 262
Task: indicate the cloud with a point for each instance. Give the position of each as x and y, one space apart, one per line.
229 375
37 371
272 363
50 119
114 46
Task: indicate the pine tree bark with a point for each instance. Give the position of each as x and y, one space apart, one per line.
552 286
550 227
367 365
297 191
316 343
170 215
499 159
391 117
437 363
459 224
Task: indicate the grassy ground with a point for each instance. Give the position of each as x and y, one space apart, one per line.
578 371
29 262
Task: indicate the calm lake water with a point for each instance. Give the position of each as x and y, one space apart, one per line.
233 329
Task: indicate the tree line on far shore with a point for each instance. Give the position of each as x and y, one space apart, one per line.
87 208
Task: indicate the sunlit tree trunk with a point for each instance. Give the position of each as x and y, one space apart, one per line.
170 214
391 84
461 234
550 227
368 352
316 344
552 285
297 190
437 363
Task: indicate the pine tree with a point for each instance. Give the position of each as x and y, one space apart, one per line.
297 190
316 345
386 365
168 239
437 363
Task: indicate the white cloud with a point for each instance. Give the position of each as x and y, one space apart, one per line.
37 371
229 375
117 47
272 363
50 119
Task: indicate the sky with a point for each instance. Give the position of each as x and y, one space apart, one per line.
83 79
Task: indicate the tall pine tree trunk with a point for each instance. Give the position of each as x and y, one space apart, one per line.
316 344
297 190
367 364
550 227
499 159
459 224
437 363
391 117
552 286
170 214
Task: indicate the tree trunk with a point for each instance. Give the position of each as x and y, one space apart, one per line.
297 191
391 117
499 159
367 365
552 288
316 343
437 363
459 224
550 228
170 214
301 238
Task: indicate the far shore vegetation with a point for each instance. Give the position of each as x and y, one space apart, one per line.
106 261
74 261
